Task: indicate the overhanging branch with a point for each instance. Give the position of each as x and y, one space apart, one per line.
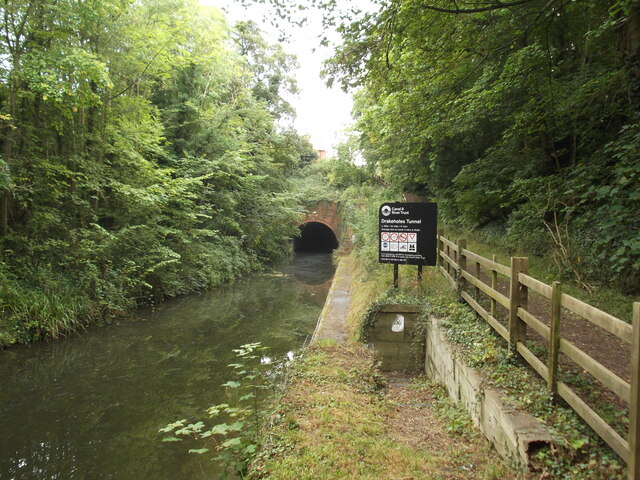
493 6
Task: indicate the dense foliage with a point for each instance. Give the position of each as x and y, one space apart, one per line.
143 156
520 118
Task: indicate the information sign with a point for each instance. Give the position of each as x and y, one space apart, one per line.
408 233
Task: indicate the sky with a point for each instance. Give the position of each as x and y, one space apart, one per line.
322 113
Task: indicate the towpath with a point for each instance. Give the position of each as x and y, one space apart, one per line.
332 322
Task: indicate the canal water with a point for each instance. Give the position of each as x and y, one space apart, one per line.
89 407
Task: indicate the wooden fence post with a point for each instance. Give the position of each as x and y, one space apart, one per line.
448 252
440 246
554 339
461 260
633 462
517 298
494 285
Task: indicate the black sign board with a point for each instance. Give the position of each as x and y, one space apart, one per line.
408 233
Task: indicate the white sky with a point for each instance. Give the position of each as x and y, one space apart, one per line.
322 113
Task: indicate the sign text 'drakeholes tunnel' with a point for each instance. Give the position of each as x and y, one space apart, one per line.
408 233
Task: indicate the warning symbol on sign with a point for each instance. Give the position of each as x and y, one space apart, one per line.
412 247
402 237
385 246
412 237
385 236
394 237
403 247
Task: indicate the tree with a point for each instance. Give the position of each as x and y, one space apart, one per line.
489 105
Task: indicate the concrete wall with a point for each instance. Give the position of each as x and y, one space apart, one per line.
397 350
514 433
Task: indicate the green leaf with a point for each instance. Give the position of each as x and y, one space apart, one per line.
250 449
236 426
579 443
173 425
231 384
171 439
199 451
232 442
220 429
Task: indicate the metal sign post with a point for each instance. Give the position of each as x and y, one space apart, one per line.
407 235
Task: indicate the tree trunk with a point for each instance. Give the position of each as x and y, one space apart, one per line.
629 44
7 154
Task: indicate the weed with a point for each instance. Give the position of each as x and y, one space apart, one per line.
250 396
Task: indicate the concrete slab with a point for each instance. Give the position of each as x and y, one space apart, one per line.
514 433
332 321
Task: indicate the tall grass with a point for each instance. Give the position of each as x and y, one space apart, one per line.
31 313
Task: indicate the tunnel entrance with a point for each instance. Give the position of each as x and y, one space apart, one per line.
315 237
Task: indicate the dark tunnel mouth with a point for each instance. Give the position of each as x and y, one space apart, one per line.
315 237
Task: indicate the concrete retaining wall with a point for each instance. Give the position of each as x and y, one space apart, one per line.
396 349
515 434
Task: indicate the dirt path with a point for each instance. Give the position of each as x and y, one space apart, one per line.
414 423
606 348
411 422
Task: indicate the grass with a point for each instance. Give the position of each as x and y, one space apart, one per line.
334 423
365 286
31 314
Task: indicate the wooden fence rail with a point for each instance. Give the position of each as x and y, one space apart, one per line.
462 268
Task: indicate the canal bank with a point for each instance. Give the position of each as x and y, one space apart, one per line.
331 326
341 417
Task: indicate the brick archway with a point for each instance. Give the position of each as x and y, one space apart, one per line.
324 212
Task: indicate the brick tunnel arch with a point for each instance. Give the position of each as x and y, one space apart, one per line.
315 236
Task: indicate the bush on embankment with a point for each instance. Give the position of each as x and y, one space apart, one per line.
130 174
523 122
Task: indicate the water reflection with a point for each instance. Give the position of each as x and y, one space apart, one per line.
89 407
312 268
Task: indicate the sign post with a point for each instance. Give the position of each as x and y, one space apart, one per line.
407 235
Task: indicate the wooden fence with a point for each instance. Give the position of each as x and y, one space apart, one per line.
463 267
